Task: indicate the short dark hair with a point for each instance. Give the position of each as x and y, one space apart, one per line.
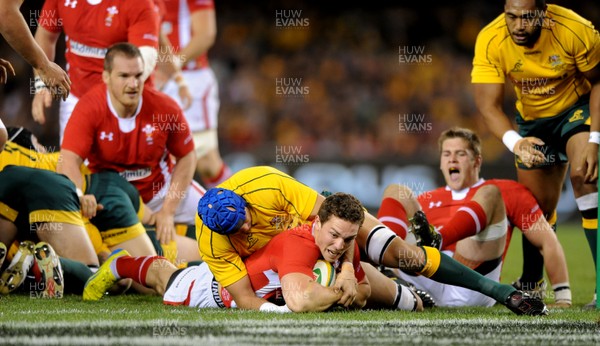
344 206
540 4
122 48
458 132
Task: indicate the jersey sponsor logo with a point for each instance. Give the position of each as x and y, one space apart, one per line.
70 3
137 174
577 116
87 51
106 136
150 37
518 66
215 288
111 11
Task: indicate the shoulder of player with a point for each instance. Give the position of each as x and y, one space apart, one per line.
567 19
495 30
95 98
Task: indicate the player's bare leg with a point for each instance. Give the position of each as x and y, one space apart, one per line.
211 168
138 246
159 274
187 249
8 232
69 241
545 184
586 194
386 293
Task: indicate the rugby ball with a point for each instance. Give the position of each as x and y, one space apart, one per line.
324 273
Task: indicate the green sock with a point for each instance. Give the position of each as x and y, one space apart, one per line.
591 235
454 273
75 275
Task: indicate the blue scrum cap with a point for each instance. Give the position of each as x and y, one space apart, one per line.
222 210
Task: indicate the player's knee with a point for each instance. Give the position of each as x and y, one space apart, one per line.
578 182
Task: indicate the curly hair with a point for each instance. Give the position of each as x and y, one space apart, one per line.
344 206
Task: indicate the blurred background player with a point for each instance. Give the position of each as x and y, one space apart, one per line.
274 202
470 215
90 27
124 127
551 55
14 29
191 28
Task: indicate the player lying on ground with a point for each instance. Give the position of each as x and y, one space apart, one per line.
274 201
470 215
283 268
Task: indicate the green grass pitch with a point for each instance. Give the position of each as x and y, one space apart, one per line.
139 320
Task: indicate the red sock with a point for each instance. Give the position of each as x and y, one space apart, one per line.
469 220
392 214
134 268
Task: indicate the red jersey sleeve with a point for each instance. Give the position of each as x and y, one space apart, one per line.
299 255
197 5
522 209
80 129
143 23
359 272
180 141
49 18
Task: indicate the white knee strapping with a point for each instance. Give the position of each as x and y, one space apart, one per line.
378 241
492 232
407 301
586 202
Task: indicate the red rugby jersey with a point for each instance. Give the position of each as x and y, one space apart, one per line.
137 147
91 26
178 27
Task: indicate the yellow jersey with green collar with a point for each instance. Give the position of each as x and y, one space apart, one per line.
547 77
276 201
17 155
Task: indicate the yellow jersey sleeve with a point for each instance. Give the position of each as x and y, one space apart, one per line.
276 201
487 67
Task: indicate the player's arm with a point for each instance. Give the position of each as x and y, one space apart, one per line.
69 164
47 40
170 67
180 181
204 32
589 162
244 296
5 67
14 29
303 294
363 291
488 98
